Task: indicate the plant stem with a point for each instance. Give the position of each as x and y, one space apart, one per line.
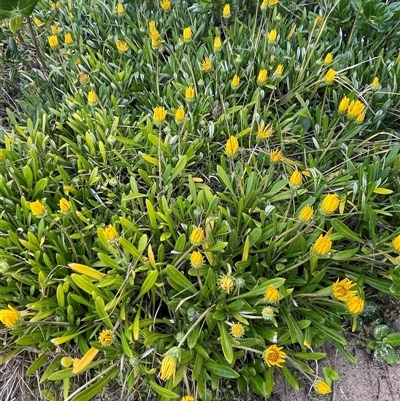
35 43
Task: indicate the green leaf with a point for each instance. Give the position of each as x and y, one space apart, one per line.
269 380
225 179
179 279
162 391
37 364
101 311
225 342
342 229
147 284
289 377
221 370
94 389
392 339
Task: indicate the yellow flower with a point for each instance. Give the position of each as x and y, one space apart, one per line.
196 259
189 93
264 5
188 398
276 155
375 85
355 108
169 363
179 115
66 361
235 81
226 13
295 179
322 388
187 34
322 245
237 330
232 146
306 214
206 64
53 41
355 305
37 21
330 76
122 46
268 313
330 203
272 294
37 209
68 40
110 233
272 3
226 283
92 98
264 131
120 9
106 338
54 30
85 361
344 105
75 362
272 36
279 71
360 118
65 206
262 76
342 291
217 44
83 78
55 6
197 236
70 15
155 37
396 244
328 59
274 356
9 317
165 5
159 114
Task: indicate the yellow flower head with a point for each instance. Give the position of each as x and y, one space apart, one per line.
322 388
187 34
272 36
9 317
197 236
83 78
37 21
54 30
272 294
217 44
55 6
355 305
295 179
188 398
360 118
272 3
262 76
279 71
159 114
235 82
196 259
189 93
342 291
85 361
264 131
53 41
328 59
375 85
268 313
274 356
226 283
37 209
92 98
237 330
106 338
232 146
66 361
68 40
165 5
122 46
344 105
65 206
226 13
264 5
155 37
330 76
120 8
396 244
355 108
169 364
276 155
110 233
306 214
206 64
322 245
179 115
330 204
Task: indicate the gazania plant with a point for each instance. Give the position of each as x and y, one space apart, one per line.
195 196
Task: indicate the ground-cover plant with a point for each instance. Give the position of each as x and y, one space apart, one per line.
198 192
